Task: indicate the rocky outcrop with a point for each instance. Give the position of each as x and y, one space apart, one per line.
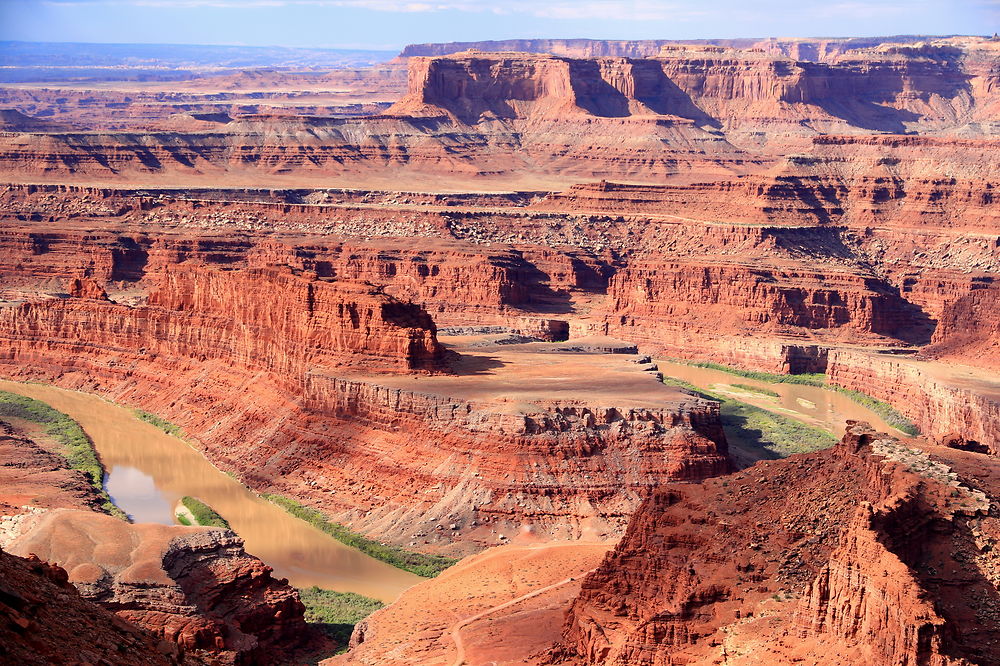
199 313
192 586
44 620
313 322
866 591
968 327
323 412
194 589
86 288
866 553
696 110
735 297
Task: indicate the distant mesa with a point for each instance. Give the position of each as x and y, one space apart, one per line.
12 120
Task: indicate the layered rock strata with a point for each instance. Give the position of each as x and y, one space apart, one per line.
546 470
316 418
193 594
868 552
680 287
945 402
695 110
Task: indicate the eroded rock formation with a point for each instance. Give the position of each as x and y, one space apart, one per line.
191 593
44 620
942 401
192 586
868 553
779 205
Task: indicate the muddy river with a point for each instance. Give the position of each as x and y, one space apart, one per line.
814 405
149 471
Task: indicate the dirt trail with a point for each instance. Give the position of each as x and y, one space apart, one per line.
456 629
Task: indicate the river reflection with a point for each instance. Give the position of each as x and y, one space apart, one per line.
130 487
149 471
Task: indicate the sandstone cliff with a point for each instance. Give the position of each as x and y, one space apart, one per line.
828 260
868 553
698 110
326 409
946 402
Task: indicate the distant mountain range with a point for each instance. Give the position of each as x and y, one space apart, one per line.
42 61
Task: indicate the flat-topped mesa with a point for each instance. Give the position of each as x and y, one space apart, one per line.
695 110
815 49
482 86
738 90
502 467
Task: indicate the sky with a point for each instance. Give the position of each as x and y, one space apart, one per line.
391 24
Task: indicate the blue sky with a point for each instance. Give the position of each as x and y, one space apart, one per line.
390 24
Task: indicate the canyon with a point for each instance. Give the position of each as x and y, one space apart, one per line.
163 594
825 558
422 298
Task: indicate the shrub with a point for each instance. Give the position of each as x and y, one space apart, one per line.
77 447
888 413
163 424
203 513
427 566
778 435
808 378
774 435
336 613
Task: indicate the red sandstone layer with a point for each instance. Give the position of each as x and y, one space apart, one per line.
707 112
316 421
192 586
947 402
684 287
867 553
